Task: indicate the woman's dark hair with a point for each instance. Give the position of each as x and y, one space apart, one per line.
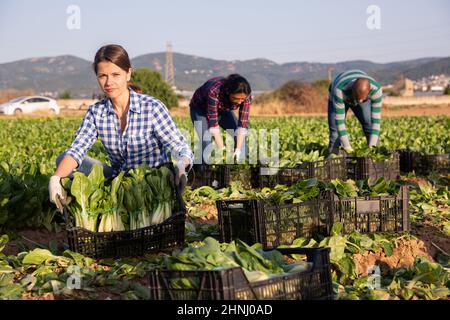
236 83
135 87
115 54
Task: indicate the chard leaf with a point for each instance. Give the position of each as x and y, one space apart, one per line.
3 241
337 245
38 256
388 248
11 292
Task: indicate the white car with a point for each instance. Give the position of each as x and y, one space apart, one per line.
29 104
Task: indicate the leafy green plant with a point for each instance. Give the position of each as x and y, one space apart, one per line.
144 197
211 255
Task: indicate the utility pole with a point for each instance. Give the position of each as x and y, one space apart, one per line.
330 69
170 74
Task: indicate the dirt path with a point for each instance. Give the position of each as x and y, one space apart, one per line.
388 111
403 256
421 110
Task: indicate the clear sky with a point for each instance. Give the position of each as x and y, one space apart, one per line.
280 30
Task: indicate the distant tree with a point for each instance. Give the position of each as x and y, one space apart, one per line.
322 85
391 92
65 95
447 90
151 83
305 96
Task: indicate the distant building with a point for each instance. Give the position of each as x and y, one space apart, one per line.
437 88
408 90
437 82
403 87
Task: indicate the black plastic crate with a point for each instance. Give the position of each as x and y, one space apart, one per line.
231 284
405 160
127 243
207 175
371 214
361 168
439 163
137 242
256 221
324 170
423 164
220 175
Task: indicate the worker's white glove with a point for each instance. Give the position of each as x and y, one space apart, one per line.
217 156
349 150
180 170
220 151
373 141
56 192
237 154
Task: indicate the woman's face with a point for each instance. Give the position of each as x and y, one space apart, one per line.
112 79
237 98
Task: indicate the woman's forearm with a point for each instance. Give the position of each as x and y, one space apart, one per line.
240 138
217 137
66 167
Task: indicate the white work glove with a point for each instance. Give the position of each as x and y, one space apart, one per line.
217 156
220 151
237 154
349 150
180 170
56 191
373 141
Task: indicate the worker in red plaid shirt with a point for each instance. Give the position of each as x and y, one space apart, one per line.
212 107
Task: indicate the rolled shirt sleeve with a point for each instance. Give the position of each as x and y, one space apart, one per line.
84 138
244 112
169 135
212 113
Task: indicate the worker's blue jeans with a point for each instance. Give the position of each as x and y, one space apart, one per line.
362 112
227 121
87 164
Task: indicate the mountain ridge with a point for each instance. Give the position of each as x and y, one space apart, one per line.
68 72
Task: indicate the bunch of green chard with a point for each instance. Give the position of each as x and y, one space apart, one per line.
377 154
300 192
143 197
291 159
362 188
310 189
211 255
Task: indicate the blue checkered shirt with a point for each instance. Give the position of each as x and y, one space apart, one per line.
149 137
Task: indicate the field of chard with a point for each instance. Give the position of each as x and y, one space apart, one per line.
36 261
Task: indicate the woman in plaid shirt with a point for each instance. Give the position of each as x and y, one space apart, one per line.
134 128
212 106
